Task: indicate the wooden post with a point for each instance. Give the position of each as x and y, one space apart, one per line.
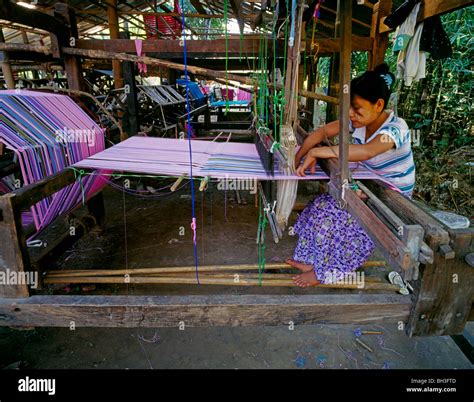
236 8
443 296
130 118
380 40
444 291
344 16
72 64
112 18
6 66
14 259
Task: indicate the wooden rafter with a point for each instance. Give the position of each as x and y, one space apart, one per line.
432 8
364 24
237 10
11 12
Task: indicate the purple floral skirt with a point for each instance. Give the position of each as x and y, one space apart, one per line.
330 239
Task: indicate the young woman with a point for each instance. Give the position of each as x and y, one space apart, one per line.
331 242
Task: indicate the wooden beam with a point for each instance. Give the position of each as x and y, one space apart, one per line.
25 48
199 71
411 213
331 45
397 254
199 311
156 14
172 48
32 193
431 8
353 19
100 54
318 96
37 67
112 19
33 18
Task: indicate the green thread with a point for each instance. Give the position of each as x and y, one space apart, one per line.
226 59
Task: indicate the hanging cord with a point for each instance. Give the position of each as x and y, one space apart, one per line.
315 45
188 108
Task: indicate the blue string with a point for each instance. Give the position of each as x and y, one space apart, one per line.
188 108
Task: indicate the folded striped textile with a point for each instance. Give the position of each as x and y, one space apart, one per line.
170 157
47 133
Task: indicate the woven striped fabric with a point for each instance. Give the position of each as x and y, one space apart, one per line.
49 132
170 157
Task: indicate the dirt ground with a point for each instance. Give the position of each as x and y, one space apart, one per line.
309 346
149 233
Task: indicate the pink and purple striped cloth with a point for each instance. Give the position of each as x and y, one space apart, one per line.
49 132
170 157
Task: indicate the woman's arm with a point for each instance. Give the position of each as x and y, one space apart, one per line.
316 137
357 152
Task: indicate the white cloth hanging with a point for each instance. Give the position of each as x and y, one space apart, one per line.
406 30
411 63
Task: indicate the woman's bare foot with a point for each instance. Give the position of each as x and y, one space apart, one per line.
298 265
306 279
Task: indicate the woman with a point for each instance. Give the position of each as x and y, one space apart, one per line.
331 242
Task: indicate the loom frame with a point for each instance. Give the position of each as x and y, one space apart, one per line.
438 306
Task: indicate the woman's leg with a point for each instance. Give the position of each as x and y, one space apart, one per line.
333 242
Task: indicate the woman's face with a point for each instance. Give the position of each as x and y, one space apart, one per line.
363 112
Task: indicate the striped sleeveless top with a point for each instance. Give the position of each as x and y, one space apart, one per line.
395 165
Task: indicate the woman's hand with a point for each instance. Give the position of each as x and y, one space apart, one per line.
312 165
309 162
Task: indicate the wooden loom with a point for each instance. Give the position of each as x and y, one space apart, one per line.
426 253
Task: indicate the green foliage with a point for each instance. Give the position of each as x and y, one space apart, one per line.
440 105
439 108
215 25
359 63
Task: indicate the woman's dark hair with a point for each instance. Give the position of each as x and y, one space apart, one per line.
374 85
